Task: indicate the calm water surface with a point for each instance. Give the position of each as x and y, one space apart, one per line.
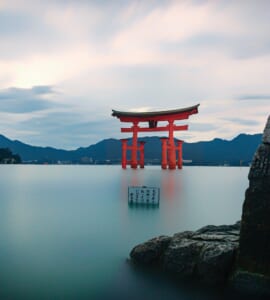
66 231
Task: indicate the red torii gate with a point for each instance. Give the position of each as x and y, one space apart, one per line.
169 148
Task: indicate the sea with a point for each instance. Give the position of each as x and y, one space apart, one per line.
66 231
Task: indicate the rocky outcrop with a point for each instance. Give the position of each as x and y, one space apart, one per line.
253 263
217 254
150 252
207 254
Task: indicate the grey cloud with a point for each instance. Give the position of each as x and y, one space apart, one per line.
67 130
69 123
23 33
239 47
43 89
254 97
23 25
250 47
12 23
244 122
156 86
202 126
18 100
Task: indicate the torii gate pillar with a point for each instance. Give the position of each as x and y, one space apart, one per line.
171 148
124 153
166 148
180 159
134 149
164 161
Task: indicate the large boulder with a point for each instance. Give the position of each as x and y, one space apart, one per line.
253 263
181 254
150 253
207 254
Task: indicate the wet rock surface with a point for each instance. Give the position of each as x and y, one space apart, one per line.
149 253
253 264
207 254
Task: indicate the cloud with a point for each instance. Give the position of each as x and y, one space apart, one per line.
244 122
195 126
128 55
238 46
254 97
67 129
24 33
18 100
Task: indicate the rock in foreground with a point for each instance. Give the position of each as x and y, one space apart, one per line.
253 264
207 254
217 254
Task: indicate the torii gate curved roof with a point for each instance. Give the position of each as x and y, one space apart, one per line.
176 114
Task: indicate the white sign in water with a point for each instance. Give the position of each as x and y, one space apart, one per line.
143 195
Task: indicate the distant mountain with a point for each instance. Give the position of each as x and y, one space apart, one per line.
238 151
33 153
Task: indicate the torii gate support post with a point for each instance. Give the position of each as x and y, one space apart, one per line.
180 156
134 147
141 162
124 153
171 147
164 161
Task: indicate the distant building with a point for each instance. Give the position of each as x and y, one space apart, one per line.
86 160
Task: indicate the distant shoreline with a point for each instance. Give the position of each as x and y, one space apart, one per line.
218 152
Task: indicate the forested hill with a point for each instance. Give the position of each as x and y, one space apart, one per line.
216 152
7 157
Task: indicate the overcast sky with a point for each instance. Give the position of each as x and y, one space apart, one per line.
65 64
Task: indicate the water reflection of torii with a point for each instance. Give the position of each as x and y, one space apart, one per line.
169 148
